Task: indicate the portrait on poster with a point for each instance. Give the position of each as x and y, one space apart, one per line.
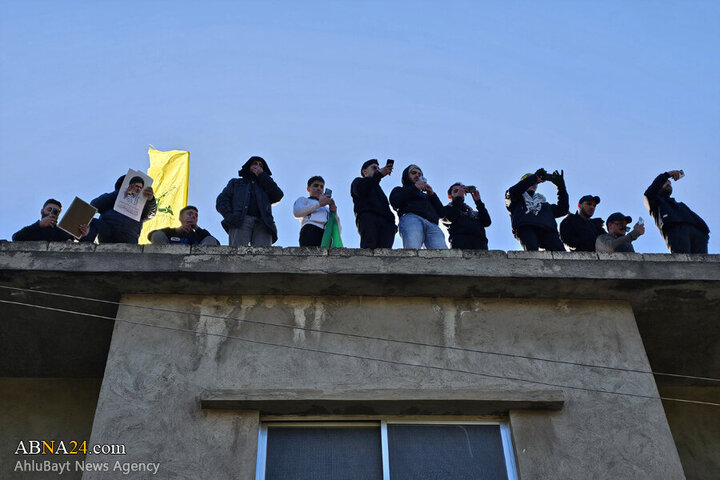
130 200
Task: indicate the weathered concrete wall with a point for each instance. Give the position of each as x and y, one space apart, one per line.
156 377
696 429
44 409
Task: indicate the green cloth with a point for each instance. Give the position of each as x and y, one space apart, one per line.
331 237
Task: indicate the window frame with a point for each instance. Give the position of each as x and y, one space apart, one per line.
505 437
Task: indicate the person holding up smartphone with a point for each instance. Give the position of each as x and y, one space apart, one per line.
373 217
314 211
419 209
46 228
683 230
466 225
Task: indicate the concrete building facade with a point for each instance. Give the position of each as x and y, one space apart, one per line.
221 362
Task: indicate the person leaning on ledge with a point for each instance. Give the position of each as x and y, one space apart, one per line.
46 228
188 233
616 239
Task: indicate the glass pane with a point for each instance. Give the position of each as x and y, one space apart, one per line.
446 452
324 453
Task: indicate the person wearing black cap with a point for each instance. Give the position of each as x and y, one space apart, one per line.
246 205
46 228
683 230
373 217
113 226
532 216
465 225
419 209
579 231
618 239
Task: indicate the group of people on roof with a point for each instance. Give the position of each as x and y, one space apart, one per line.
246 207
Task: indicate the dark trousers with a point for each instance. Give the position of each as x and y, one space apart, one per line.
311 235
375 232
686 238
468 242
533 238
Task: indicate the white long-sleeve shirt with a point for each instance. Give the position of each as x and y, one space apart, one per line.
308 210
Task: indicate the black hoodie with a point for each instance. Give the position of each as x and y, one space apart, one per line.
668 212
408 199
247 195
114 227
368 197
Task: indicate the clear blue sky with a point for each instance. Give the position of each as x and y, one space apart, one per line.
613 92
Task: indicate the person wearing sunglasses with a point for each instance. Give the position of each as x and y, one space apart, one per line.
619 237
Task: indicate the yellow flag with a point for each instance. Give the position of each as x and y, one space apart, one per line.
170 172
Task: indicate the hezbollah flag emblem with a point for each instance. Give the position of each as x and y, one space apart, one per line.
170 172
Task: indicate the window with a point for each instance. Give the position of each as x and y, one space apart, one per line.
384 450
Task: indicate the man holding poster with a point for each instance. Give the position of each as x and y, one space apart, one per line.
123 211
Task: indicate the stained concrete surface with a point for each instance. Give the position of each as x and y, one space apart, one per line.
675 299
155 377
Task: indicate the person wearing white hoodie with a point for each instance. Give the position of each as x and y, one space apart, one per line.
313 212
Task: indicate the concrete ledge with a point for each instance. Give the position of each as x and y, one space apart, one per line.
383 402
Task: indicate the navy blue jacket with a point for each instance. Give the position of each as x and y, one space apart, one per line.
114 227
666 211
545 219
233 202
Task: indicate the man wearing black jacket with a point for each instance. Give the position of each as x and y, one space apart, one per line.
113 226
419 209
532 217
246 205
578 230
188 233
373 217
46 228
683 230
466 226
